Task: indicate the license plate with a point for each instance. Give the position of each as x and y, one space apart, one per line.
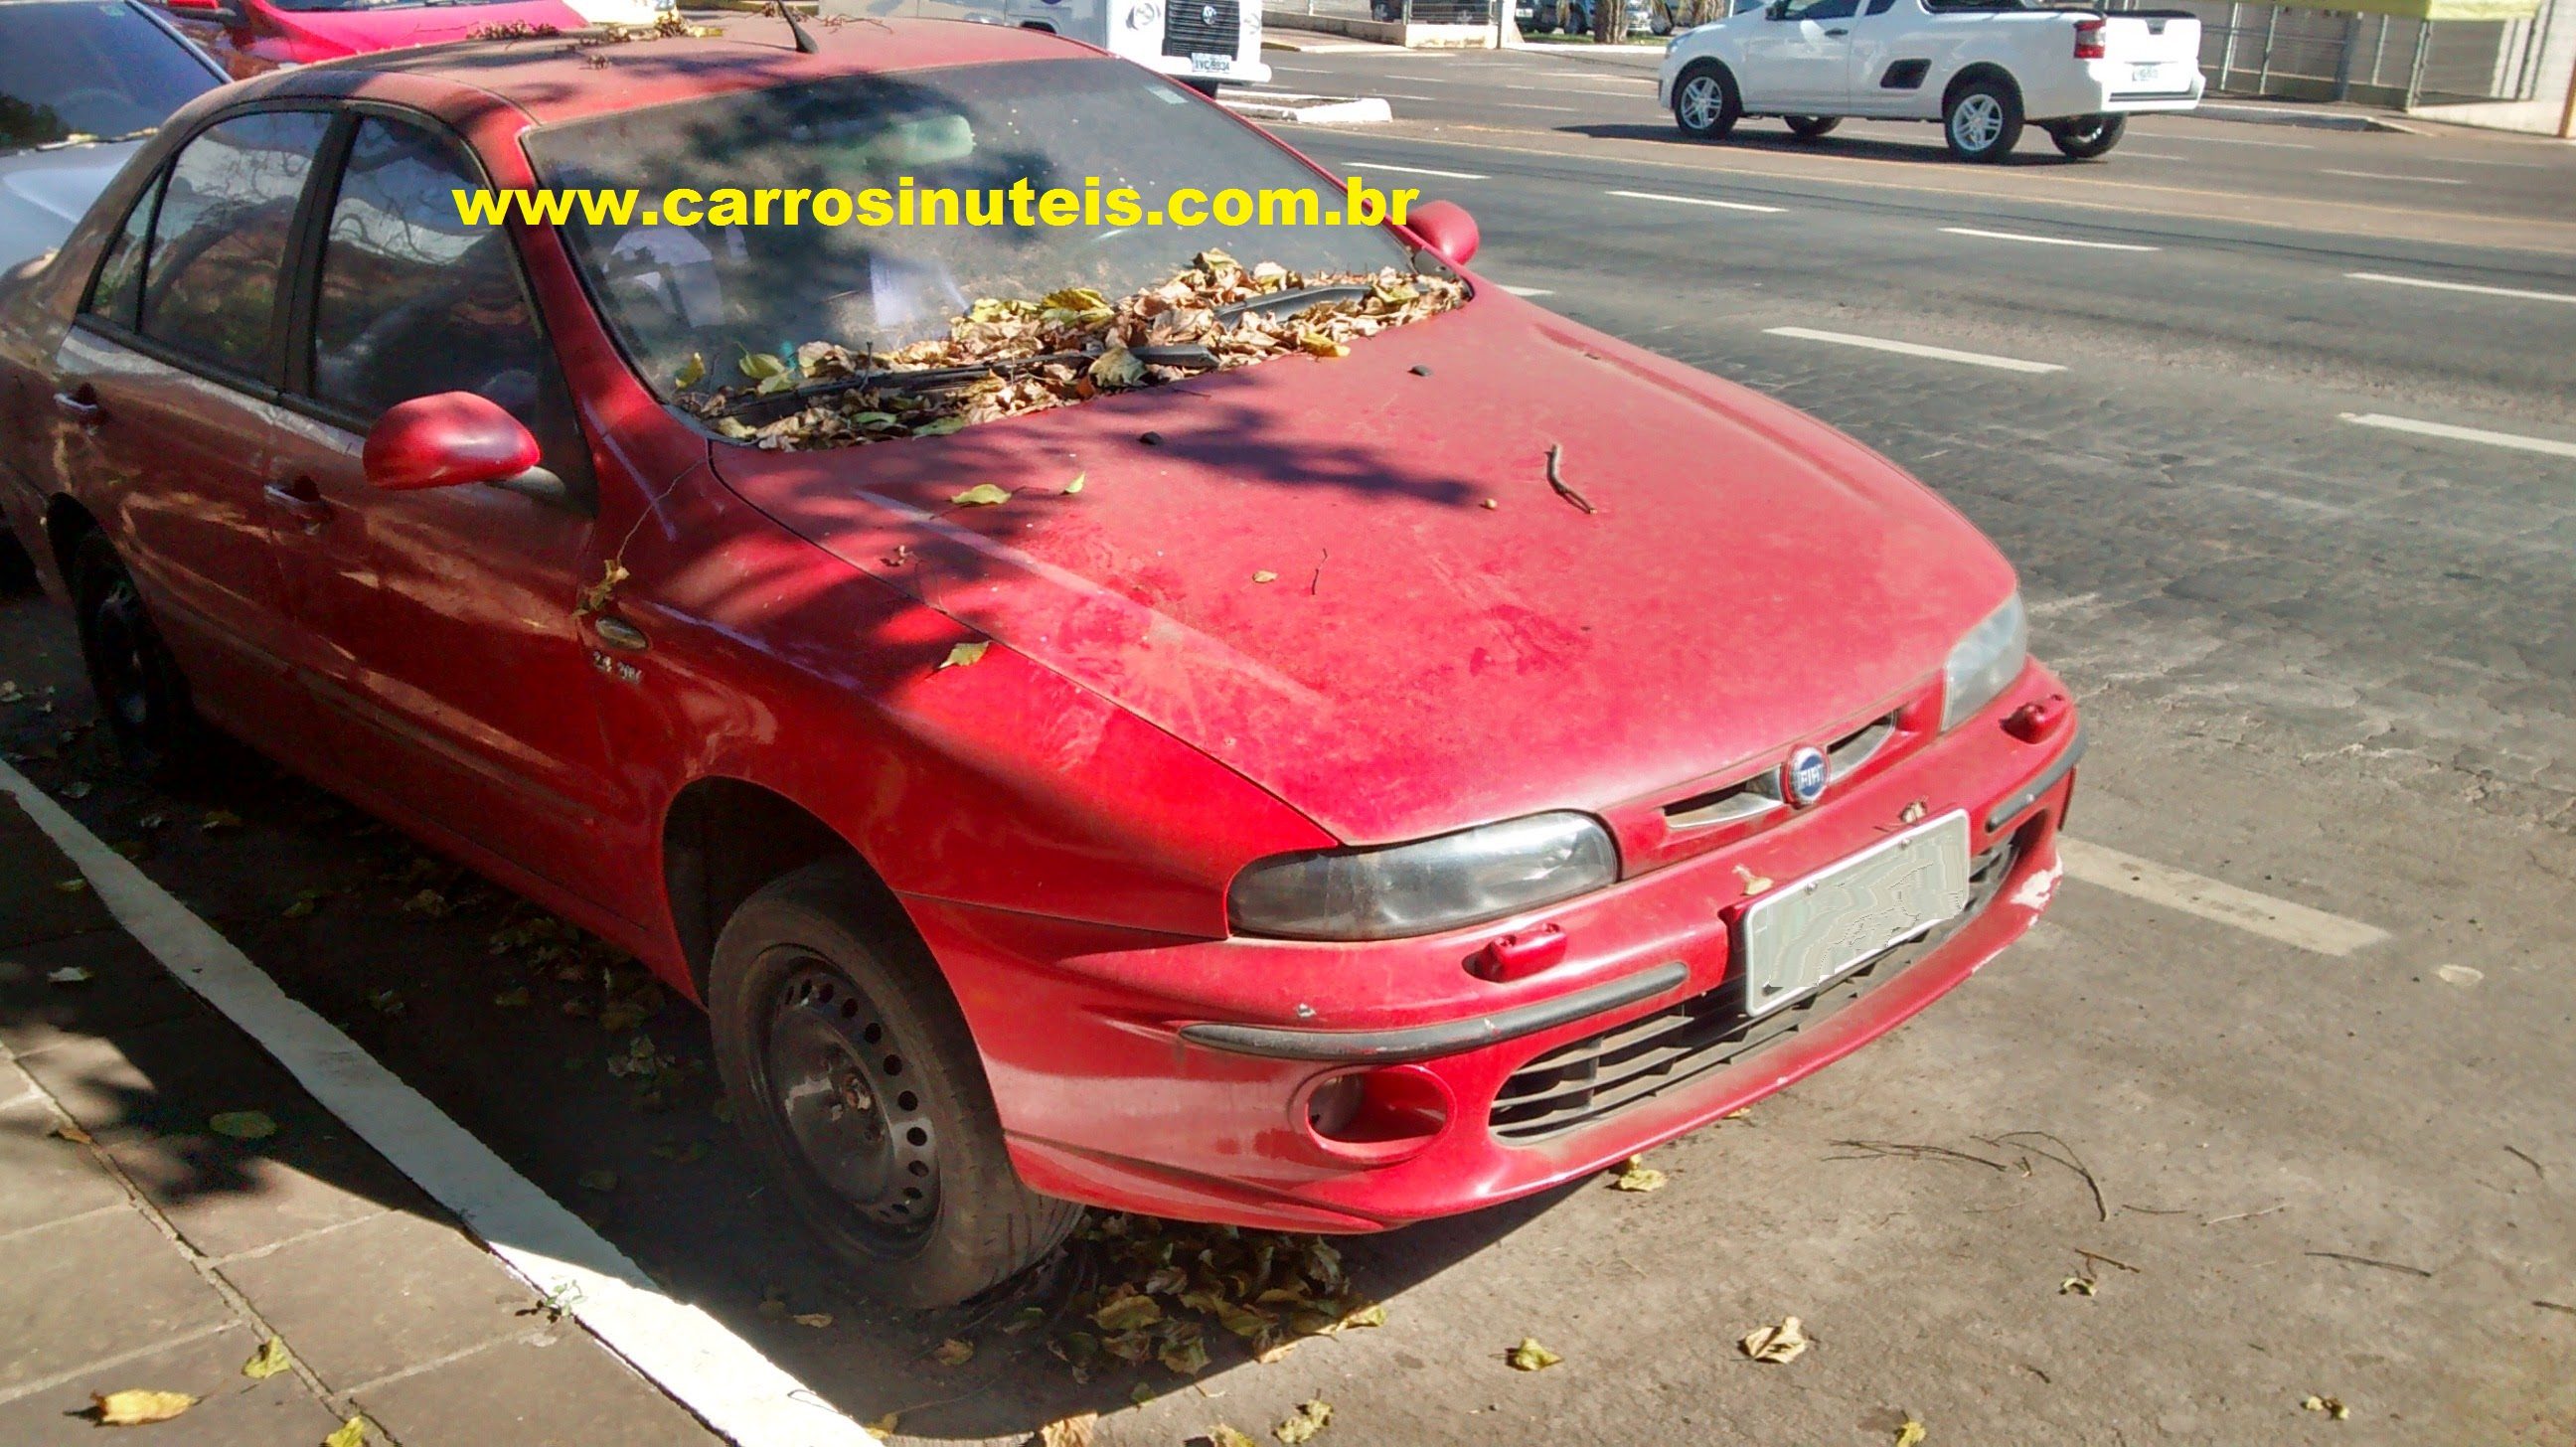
2143 73
1815 930
1211 64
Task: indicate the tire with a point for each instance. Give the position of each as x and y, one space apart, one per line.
1705 104
2087 137
1809 128
142 695
1982 121
855 1081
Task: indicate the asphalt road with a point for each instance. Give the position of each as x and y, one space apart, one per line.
2329 664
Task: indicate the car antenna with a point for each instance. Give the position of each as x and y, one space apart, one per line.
804 42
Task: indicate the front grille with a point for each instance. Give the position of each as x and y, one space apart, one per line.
1577 1084
1761 793
1203 27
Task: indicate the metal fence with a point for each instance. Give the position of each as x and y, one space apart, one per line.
2293 53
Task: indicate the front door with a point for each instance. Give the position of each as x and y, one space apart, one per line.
446 654
1798 58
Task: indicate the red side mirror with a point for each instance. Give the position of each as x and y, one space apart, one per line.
1446 228
446 440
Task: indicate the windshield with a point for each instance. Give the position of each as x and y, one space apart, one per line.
672 294
89 70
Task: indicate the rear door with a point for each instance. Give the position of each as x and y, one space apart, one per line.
1799 57
164 402
440 626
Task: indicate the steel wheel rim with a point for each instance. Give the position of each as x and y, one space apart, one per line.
1978 120
846 1096
1699 101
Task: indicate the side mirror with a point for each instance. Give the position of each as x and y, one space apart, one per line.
444 441
1446 228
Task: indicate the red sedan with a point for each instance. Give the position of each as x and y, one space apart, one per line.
1374 782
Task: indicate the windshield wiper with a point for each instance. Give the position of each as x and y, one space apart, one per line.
83 140
930 379
1289 303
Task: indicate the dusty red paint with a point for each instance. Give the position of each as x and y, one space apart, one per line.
271 35
1061 819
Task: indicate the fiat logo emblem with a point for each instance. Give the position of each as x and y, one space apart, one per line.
1802 779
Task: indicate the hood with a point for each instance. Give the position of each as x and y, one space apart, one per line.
329 34
43 194
1421 661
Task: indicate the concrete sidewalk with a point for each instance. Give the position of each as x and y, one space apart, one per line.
143 1248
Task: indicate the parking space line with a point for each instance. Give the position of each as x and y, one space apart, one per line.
2295 925
2227 140
1420 171
1590 75
2511 291
2393 176
1697 201
2514 440
1914 349
723 1379
2048 240
1513 105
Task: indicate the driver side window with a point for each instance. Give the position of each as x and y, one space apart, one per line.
1820 9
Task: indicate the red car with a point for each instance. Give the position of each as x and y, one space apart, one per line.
251 36
1317 819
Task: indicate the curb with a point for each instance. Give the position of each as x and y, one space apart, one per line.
2260 115
1306 110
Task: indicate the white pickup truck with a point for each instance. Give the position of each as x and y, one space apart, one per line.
1982 68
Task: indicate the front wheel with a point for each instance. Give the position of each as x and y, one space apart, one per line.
1983 121
2086 137
1705 105
855 1081
1808 128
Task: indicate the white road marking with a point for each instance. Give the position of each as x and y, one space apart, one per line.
1914 349
2151 156
2228 140
1399 95
1635 80
2514 440
1529 291
1696 201
1513 105
717 1375
1420 171
1569 90
2296 925
2048 240
2515 292
2392 176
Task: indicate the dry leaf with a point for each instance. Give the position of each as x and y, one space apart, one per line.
597 597
1910 1434
268 1361
1753 883
1073 1431
1782 1343
1118 367
982 494
1312 1417
1075 486
1265 576
2077 1286
352 1433
761 366
216 821
815 1319
963 654
1222 1435
512 999
137 1408
69 975
306 901
1911 813
954 1353
72 1133
1186 1356
2333 1407
1636 1175
602 1181
242 1125
1127 1313
884 1426
77 789
691 373
1529 1356
1489 504
73 885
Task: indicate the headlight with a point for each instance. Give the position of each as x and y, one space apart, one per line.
1434 884
1145 13
1985 663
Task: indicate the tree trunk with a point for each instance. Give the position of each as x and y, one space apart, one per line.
1610 21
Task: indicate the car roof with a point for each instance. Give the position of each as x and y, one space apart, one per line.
566 76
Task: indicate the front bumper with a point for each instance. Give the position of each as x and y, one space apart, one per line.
1172 1076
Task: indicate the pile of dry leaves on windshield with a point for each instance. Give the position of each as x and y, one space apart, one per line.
1013 356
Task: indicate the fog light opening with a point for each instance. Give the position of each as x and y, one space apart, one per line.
1378 1115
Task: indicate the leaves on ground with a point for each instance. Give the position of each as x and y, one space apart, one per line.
138 1407
2078 1286
1782 1343
680 1154
352 1433
1312 1417
513 998
268 1361
387 1001
73 885
428 902
964 653
1126 1313
216 821
242 1125
601 1181
982 494
1073 1431
1222 1435
815 1319
1911 1434
1636 1175
1529 1356
306 901
69 975
954 1352
69 1132
2333 1407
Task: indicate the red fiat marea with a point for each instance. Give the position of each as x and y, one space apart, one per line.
1340 826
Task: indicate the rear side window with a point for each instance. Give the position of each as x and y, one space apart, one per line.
227 211
413 301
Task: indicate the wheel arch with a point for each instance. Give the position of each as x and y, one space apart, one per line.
66 522
726 838
1970 74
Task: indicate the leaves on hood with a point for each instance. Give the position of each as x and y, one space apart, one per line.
1265 576
597 597
268 1361
1070 346
964 653
1782 1343
1312 1417
242 1125
1753 883
1636 1175
1529 1356
982 494
691 372
1075 486
136 1408
953 1352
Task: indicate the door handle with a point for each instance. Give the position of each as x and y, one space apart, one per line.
300 500
81 405
1838 30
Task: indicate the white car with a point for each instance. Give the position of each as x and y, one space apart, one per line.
1983 68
